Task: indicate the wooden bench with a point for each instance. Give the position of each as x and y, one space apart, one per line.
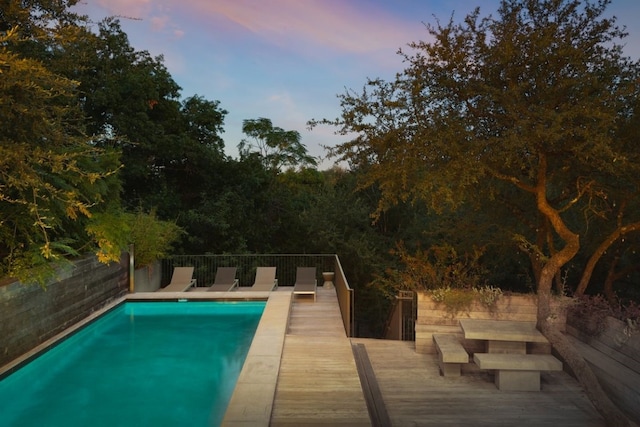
517 372
451 354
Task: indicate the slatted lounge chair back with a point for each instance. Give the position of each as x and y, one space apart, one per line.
265 279
181 280
306 282
225 279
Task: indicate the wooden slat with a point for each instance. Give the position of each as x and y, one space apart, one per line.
373 396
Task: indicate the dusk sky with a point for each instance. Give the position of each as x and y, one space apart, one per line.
288 60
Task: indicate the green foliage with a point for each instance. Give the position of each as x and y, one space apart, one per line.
152 239
454 300
515 114
276 147
447 156
203 122
588 313
170 149
460 300
439 267
111 232
488 295
52 179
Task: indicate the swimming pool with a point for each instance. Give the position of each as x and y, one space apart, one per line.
141 364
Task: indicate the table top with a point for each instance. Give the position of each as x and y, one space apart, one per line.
501 330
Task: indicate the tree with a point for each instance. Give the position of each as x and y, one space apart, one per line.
52 179
528 102
132 102
336 220
127 96
59 188
276 147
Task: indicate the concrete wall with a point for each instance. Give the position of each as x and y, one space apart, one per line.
148 278
30 314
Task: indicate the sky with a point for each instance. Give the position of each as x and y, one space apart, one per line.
289 60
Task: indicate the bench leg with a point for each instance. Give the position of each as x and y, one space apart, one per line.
518 380
515 347
449 369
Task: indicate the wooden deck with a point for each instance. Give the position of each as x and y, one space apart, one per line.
318 383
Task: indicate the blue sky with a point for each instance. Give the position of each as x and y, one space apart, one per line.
288 60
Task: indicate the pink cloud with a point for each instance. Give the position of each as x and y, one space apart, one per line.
158 23
336 24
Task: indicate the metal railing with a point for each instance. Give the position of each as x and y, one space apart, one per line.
205 267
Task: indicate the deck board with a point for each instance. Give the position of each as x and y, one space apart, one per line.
318 383
415 394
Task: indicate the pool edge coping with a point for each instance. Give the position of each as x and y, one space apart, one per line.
252 400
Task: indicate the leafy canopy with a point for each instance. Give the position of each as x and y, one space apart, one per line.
276 147
50 175
530 101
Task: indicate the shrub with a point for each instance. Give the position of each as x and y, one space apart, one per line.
588 313
460 300
454 300
488 296
440 266
152 238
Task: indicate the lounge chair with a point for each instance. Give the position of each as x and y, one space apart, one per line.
265 280
306 282
181 280
225 280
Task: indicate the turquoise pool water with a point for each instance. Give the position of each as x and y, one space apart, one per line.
141 364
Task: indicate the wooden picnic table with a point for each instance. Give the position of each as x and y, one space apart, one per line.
502 336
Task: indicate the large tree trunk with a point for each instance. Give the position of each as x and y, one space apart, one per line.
583 372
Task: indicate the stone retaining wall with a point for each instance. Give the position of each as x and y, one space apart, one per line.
30 314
